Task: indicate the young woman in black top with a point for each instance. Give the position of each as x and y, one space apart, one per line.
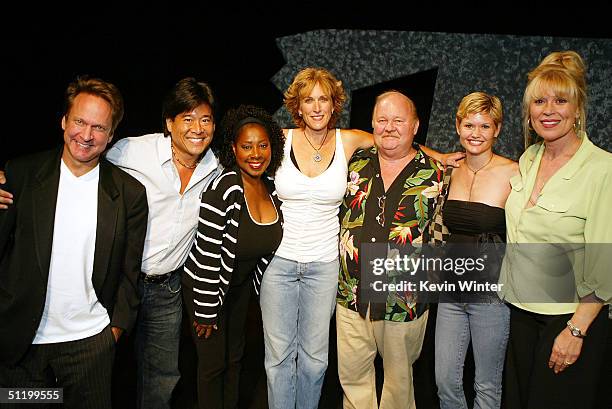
239 229
474 215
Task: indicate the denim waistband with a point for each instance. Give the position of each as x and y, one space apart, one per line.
157 278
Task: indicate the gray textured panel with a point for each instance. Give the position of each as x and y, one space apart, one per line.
496 64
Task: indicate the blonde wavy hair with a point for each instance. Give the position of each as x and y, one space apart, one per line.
564 73
302 85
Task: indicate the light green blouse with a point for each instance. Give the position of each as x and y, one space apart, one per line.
565 240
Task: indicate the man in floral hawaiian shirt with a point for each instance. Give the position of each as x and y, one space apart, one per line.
390 196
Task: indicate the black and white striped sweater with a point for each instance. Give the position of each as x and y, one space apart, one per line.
211 260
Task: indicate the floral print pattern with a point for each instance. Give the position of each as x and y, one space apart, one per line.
411 217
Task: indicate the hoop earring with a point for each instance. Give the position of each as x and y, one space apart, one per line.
529 124
577 124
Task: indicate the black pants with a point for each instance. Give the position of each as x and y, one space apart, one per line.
530 384
83 368
220 356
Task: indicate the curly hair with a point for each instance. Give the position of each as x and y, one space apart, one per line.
302 85
228 132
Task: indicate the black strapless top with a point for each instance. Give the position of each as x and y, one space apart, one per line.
474 221
477 231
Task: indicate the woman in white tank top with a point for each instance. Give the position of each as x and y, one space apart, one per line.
299 287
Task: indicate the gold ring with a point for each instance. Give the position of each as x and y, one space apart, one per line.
567 363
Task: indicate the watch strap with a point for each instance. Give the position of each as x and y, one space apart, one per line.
574 330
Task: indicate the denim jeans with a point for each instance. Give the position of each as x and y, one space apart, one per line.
487 325
158 330
297 303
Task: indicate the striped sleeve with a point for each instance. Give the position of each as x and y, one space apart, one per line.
211 259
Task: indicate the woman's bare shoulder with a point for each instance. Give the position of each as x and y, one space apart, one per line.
352 133
509 167
357 138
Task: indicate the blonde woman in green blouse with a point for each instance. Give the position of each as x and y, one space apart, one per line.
562 196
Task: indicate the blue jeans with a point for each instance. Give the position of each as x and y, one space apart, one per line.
297 302
158 331
487 325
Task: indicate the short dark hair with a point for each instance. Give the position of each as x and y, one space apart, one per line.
99 88
229 128
186 95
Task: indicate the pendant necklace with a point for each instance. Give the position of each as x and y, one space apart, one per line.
475 172
317 155
183 164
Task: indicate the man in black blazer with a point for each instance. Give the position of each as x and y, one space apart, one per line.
70 254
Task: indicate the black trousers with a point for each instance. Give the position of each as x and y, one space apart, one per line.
83 368
530 384
220 356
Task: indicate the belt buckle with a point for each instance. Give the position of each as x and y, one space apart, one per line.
155 278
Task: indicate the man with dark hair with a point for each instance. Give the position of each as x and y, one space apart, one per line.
174 167
70 254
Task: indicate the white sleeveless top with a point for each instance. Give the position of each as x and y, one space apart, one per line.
310 207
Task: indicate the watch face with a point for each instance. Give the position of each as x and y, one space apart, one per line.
575 332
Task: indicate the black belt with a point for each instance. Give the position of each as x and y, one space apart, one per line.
156 278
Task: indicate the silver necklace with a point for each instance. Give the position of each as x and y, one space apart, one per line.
317 155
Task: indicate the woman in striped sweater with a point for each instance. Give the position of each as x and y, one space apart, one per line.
239 229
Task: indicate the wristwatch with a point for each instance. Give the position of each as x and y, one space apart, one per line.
574 330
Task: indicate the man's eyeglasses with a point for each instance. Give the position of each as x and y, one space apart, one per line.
381 205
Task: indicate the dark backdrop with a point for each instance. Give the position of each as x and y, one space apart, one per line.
145 50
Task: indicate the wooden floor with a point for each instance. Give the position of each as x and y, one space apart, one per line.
253 393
